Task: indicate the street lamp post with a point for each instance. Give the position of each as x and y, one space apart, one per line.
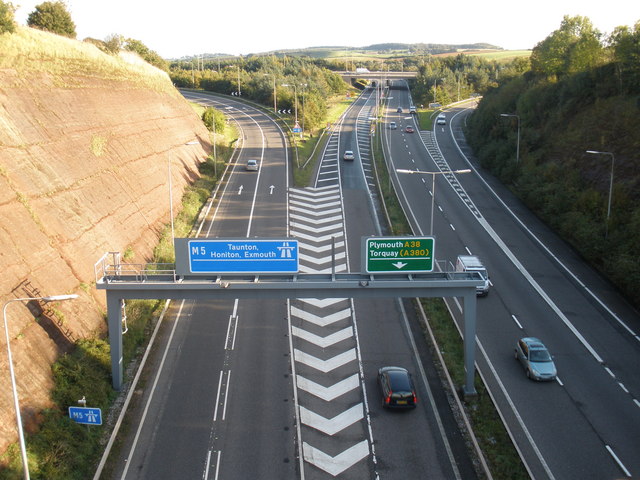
275 104
16 403
518 141
596 152
433 185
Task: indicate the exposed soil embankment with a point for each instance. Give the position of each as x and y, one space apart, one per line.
85 145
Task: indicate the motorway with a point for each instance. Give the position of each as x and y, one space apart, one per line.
275 389
272 389
587 423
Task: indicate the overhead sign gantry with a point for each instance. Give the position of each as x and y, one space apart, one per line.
261 270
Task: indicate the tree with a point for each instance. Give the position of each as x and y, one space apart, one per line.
211 116
53 17
7 22
146 54
573 48
113 43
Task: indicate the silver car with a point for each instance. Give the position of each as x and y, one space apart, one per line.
348 155
252 165
535 359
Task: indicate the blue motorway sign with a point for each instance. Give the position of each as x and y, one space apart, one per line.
85 415
243 256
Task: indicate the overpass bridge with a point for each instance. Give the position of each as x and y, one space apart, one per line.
379 76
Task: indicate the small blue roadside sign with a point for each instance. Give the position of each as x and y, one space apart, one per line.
243 256
87 416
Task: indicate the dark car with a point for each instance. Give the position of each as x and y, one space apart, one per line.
409 129
397 388
399 110
535 359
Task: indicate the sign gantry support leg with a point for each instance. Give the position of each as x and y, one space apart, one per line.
114 322
469 342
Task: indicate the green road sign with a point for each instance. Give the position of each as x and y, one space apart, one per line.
398 254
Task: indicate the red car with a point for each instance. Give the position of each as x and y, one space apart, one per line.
409 129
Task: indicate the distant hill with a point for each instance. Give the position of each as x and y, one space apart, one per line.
329 51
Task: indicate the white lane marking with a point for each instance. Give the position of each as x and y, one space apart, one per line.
517 322
338 464
620 464
331 392
215 411
226 396
331 426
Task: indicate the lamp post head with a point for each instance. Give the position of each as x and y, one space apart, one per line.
56 298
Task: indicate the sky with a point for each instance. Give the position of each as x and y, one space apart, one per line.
190 27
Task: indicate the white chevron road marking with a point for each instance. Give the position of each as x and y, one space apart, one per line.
321 210
321 321
323 342
334 218
310 269
319 248
311 228
325 365
314 192
338 464
319 261
328 393
316 238
331 426
322 302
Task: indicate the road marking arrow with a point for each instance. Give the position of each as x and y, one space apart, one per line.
240 189
271 189
331 426
338 464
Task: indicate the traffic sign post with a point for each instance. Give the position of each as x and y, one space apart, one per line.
398 254
86 416
241 256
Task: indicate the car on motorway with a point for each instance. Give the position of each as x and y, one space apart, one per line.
393 125
252 165
536 359
442 119
348 155
409 129
412 109
396 386
399 110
